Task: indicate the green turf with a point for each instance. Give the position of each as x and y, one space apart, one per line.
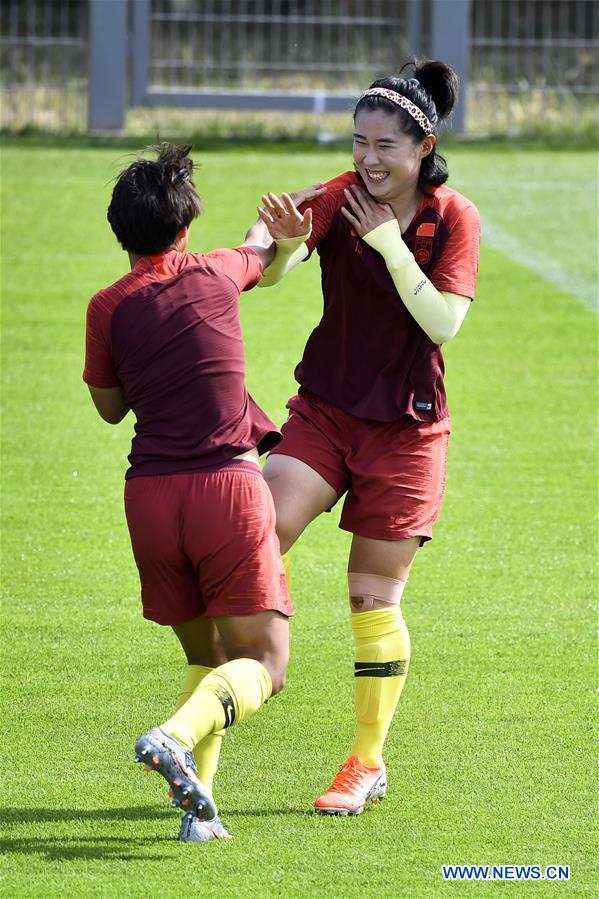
491 758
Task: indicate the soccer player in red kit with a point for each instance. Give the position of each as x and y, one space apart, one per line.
165 341
399 256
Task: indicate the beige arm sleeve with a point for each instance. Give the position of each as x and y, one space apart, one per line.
439 314
290 252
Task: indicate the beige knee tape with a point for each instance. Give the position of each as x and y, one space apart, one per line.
365 588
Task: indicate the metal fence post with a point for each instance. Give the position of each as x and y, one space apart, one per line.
107 64
415 27
450 33
140 48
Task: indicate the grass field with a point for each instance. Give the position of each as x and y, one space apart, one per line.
492 758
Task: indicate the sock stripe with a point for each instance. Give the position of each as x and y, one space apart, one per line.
227 703
381 669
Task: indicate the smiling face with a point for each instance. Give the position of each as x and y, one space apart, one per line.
387 159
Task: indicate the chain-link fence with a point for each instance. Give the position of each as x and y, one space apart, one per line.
533 63
334 45
43 64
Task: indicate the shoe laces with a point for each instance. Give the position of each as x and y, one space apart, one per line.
188 755
190 760
350 776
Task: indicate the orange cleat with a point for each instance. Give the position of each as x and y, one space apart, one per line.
351 789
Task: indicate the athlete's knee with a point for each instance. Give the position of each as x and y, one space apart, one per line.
286 541
276 665
368 592
291 515
278 676
263 637
275 661
287 531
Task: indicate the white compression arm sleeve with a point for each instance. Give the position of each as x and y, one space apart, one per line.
439 314
290 252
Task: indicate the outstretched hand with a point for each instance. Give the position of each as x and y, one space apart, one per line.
282 218
366 214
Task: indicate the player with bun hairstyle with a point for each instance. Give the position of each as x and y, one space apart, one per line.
399 257
165 342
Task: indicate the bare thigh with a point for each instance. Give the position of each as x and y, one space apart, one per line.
201 642
387 558
300 494
263 636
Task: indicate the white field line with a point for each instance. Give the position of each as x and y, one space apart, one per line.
584 289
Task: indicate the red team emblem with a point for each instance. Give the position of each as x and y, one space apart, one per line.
423 245
357 242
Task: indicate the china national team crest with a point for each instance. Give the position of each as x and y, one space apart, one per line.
423 245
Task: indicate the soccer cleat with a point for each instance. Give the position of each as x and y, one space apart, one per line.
351 789
198 830
162 753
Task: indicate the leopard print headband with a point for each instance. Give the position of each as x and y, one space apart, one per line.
399 100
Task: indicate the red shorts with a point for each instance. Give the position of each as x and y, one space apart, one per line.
392 472
205 544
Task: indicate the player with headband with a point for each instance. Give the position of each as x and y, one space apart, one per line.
399 255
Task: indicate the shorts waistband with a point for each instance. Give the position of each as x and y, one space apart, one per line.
237 465
230 465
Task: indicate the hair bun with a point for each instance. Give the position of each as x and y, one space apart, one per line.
175 163
440 81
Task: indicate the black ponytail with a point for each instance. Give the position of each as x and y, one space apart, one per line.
433 88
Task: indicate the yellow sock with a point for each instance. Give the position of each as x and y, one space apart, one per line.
286 559
382 645
207 751
231 692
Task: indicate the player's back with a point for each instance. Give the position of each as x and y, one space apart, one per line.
177 352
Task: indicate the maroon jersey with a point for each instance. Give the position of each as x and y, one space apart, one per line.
169 334
368 356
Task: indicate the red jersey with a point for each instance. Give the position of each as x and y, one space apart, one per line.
169 334
367 355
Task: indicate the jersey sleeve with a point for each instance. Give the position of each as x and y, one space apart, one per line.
241 265
323 209
456 268
99 368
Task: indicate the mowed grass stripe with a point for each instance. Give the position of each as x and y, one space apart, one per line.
580 287
491 758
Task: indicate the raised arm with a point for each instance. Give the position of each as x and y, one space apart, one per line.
440 314
270 229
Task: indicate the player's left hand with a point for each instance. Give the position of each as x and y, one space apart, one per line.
366 214
283 219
